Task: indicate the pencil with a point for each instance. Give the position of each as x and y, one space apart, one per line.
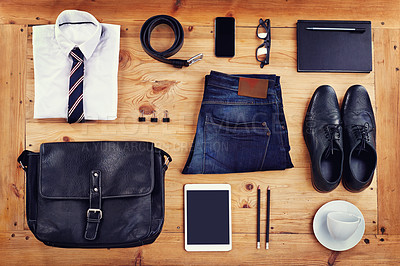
258 217
268 211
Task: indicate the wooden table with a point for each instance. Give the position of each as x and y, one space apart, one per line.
146 83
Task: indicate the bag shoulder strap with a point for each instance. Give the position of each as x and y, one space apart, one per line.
167 159
23 159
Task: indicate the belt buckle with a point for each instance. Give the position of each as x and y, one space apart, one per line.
94 211
195 58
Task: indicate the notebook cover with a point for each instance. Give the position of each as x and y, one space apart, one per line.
333 51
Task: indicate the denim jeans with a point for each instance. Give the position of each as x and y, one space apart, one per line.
238 133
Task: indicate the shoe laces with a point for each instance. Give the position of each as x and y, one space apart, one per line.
361 132
332 133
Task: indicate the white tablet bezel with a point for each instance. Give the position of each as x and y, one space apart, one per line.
216 247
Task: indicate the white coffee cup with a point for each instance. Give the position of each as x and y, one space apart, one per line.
342 225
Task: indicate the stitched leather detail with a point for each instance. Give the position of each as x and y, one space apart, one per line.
118 161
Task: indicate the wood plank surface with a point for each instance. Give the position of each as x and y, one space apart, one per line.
283 13
294 199
12 125
295 249
181 93
387 65
150 85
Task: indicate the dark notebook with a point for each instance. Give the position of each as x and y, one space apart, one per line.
334 46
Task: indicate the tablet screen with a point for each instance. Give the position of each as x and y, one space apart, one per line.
208 217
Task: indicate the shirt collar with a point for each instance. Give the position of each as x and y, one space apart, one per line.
67 45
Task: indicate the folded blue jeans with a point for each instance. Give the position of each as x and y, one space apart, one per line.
239 133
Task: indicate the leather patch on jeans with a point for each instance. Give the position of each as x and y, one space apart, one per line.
252 87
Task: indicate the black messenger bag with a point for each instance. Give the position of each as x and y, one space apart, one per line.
95 194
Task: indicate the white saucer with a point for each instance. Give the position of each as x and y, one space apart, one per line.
321 229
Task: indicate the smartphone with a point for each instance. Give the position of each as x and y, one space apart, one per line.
224 37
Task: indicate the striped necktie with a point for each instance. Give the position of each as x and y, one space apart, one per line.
75 101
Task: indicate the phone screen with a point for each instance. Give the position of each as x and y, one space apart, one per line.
224 37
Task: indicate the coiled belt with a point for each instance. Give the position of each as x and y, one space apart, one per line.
174 24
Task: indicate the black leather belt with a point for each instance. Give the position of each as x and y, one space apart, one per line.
145 34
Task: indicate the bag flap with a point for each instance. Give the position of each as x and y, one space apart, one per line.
127 168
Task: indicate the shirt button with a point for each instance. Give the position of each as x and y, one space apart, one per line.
283 127
264 124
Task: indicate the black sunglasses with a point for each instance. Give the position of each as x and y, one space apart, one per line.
264 33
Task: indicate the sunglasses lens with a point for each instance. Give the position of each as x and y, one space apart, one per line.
261 32
262 53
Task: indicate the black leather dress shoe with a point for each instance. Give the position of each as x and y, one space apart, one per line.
323 135
359 139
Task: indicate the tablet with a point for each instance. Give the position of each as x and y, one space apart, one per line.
208 218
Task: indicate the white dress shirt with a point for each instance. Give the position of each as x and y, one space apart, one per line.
99 44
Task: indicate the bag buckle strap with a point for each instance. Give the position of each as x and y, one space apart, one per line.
89 211
94 214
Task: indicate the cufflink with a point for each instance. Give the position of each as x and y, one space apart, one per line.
154 119
166 118
141 117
